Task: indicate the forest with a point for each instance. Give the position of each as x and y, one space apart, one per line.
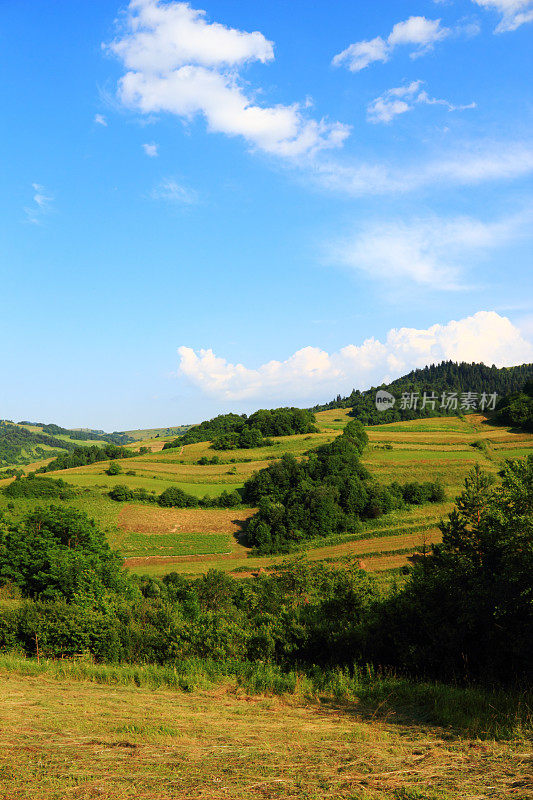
327 493
448 376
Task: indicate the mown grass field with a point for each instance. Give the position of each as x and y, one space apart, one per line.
153 733
155 541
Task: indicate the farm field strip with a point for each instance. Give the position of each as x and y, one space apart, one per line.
175 544
154 520
157 484
407 544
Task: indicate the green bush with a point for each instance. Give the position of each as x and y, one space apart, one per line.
37 486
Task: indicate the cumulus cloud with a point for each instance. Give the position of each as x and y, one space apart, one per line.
419 33
151 149
42 205
471 165
514 12
485 336
403 98
430 252
179 63
172 191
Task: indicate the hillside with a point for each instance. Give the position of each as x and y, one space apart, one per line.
213 672
157 540
25 442
435 380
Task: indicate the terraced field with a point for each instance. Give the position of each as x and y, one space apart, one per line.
155 540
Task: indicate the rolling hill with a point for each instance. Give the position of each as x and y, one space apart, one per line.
157 540
446 378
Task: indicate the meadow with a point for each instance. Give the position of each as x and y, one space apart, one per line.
155 541
225 728
78 730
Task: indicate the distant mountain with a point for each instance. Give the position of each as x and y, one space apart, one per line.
474 386
24 442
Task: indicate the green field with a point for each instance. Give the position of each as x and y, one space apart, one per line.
437 448
175 544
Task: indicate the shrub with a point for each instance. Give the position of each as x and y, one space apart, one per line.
176 498
114 468
121 493
37 486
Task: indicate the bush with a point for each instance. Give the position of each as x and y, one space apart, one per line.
114 468
58 552
176 498
121 493
36 486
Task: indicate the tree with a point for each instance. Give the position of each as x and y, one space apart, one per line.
468 610
114 468
59 552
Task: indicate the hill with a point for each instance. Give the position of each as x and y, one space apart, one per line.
210 670
25 442
437 381
157 540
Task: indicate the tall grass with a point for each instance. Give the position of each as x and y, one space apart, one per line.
466 711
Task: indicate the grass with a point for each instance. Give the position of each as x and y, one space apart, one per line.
175 544
202 730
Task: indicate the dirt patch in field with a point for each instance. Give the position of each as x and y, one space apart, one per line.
145 519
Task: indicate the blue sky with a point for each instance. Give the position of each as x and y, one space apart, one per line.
228 206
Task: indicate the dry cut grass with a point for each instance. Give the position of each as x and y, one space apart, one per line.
62 739
154 520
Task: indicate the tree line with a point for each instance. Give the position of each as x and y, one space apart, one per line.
80 456
448 376
232 431
516 409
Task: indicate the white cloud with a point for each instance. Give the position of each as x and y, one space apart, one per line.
514 12
485 336
42 205
471 165
420 32
163 37
430 252
151 150
171 191
99 119
360 54
178 63
403 98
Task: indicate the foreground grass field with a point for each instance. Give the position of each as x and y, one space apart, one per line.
156 541
88 732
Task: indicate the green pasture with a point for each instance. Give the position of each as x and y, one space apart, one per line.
296 445
156 483
175 544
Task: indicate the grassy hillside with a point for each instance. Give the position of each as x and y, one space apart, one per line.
26 442
158 540
82 731
141 434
